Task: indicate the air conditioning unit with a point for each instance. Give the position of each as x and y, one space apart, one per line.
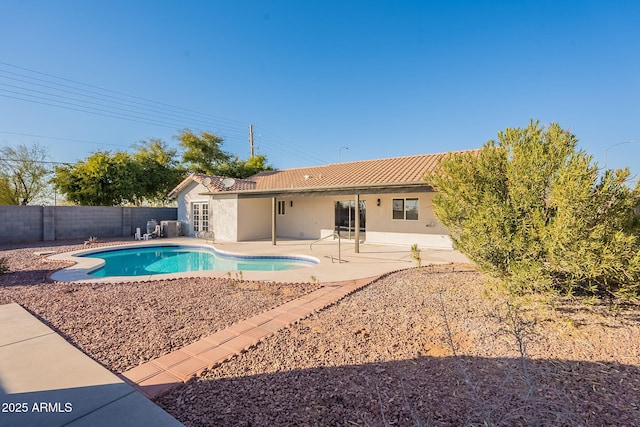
171 228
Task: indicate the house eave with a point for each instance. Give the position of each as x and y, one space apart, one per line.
383 188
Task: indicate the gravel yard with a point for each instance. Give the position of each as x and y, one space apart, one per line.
423 346
122 325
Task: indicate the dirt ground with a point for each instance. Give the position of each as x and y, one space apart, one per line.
432 346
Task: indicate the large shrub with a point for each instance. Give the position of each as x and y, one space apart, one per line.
534 210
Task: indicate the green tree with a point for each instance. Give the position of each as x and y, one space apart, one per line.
237 168
24 178
203 153
103 179
532 209
159 171
122 178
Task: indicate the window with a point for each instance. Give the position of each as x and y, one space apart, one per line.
281 207
411 209
200 213
398 208
405 209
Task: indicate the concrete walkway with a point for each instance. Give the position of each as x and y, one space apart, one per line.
45 381
160 375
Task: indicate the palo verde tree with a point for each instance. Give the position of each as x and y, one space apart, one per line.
24 176
534 210
203 154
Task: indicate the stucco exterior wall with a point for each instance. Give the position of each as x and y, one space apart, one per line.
223 217
430 241
306 217
254 219
380 218
427 231
185 198
314 217
237 219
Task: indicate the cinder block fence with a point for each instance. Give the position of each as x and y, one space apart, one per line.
43 223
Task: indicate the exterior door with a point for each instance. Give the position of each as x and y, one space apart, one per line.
200 219
345 222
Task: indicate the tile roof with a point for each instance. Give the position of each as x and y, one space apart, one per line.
396 170
221 183
215 183
408 170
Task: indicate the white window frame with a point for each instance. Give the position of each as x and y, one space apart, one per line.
200 216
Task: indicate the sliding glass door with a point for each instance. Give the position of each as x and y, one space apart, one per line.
345 219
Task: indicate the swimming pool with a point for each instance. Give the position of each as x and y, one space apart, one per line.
166 259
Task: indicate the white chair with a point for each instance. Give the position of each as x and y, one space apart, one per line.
138 235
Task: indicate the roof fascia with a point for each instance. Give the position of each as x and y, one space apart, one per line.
418 187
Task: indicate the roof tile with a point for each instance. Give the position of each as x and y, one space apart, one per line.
396 170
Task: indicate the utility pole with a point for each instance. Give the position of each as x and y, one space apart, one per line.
251 151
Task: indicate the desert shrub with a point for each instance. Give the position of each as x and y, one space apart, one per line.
535 211
415 254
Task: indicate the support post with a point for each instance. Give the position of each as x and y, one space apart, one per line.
357 223
339 248
274 207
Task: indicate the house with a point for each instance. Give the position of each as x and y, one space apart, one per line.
375 201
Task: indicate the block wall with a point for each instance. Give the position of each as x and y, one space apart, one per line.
21 224
43 223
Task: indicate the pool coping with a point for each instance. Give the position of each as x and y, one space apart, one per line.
82 266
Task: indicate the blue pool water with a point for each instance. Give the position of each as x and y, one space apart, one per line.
149 260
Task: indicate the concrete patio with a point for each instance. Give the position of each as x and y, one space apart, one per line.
337 262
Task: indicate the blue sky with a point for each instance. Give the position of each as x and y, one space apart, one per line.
383 78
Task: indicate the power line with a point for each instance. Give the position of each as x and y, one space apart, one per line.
237 122
92 99
90 103
104 110
281 144
143 112
8 159
63 139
